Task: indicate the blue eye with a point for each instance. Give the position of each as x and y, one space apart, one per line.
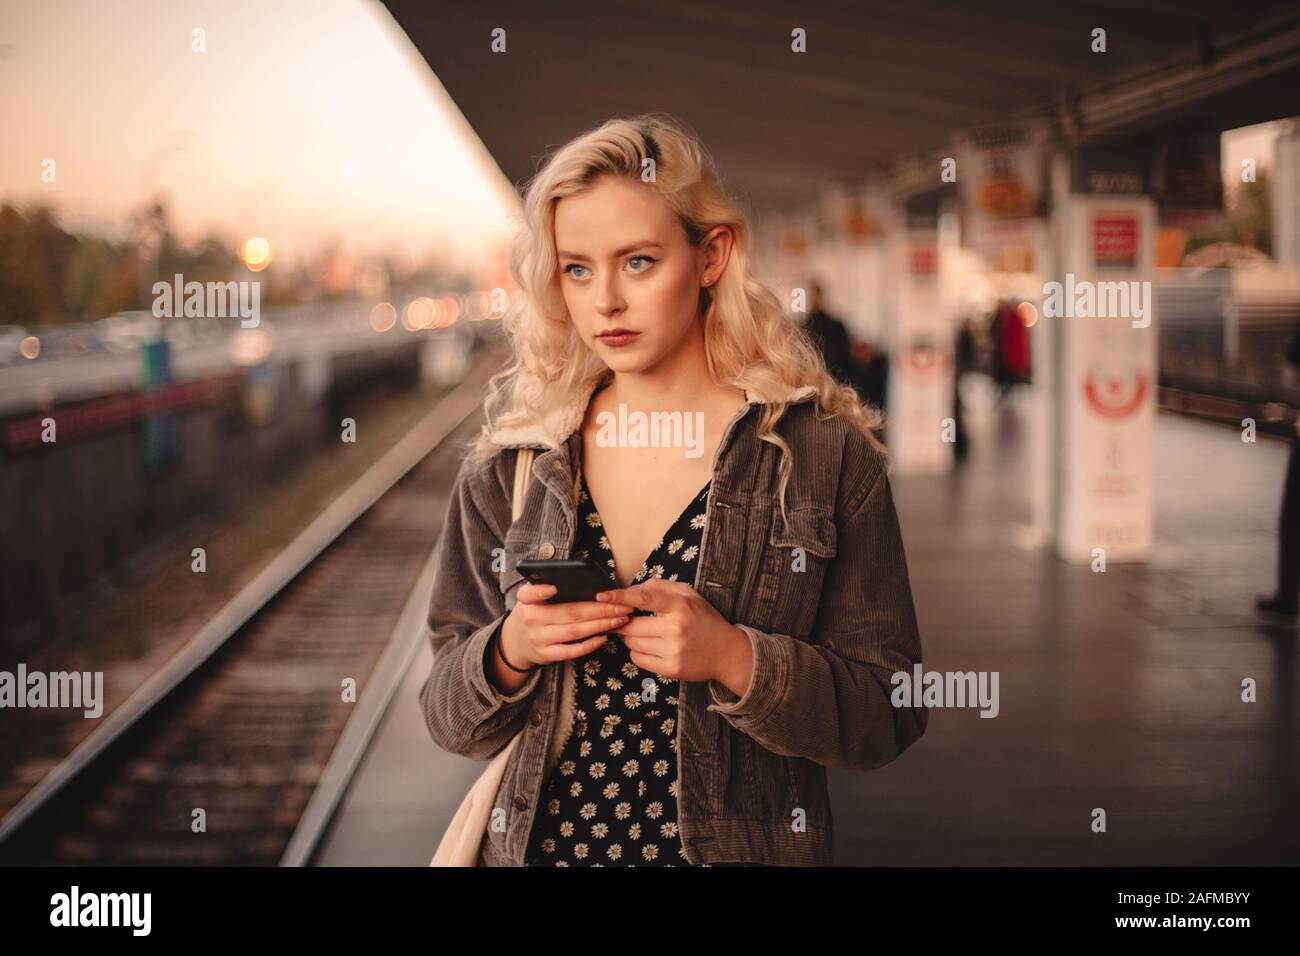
646 259
571 266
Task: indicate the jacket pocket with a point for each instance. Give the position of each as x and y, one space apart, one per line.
809 789
764 789
799 551
810 528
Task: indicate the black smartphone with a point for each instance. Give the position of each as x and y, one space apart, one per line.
574 579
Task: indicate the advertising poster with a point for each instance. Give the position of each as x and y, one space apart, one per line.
921 359
1103 309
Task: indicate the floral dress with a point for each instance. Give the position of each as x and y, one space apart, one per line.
611 799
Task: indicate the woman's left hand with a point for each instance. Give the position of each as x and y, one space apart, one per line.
686 639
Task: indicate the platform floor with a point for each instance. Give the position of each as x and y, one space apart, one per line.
1119 690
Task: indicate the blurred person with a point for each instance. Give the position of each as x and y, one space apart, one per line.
1011 343
830 336
872 372
965 361
640 295
1283 602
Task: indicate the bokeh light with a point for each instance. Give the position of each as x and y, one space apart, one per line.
383 317
255 253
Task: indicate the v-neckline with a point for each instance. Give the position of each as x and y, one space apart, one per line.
582 478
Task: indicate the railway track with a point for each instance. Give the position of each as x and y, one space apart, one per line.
1269 417
238 756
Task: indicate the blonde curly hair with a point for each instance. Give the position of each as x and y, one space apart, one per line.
749 343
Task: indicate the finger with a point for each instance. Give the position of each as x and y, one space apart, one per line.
647 662
648 599
583 611
643 627
564 652
536 593
576 630
642 645
663 584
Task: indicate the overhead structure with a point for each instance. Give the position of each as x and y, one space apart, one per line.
880 83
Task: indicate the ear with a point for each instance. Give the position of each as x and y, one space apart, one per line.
715 254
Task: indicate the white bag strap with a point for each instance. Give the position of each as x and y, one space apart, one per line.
523 471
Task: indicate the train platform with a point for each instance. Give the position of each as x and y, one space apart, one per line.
1119 691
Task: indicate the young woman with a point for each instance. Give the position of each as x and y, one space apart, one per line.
758 602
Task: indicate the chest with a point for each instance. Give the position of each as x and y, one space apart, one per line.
639 494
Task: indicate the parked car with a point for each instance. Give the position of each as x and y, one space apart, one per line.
69 341
11 339
126 331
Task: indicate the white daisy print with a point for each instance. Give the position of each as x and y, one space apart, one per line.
594 829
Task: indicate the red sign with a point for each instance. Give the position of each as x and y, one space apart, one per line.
105 414
1115 396
1114 240
923 363
924 259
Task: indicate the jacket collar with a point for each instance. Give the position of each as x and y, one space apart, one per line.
556 426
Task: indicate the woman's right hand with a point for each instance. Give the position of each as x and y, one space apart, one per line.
539 633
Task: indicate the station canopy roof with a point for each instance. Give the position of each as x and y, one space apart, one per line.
881 83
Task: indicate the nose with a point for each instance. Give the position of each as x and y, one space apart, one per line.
609 300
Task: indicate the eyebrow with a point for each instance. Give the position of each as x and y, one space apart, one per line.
644 244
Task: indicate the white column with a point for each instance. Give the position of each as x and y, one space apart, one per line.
1103 375
920 357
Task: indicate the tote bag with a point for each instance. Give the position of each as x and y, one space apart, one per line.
460 844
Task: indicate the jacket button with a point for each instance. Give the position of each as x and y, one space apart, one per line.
535 718
547 550
521 802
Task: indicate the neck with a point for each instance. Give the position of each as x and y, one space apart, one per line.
680 382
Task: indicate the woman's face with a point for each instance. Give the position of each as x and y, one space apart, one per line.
625 263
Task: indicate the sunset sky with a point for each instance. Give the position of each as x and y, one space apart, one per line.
304 120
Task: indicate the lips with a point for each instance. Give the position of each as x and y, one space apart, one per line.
618 337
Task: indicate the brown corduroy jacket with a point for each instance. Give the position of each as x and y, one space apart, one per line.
829 624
